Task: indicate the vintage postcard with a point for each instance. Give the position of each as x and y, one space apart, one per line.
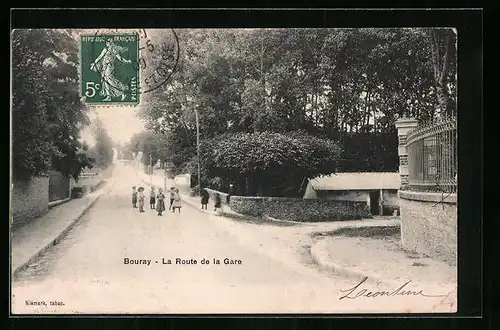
209 171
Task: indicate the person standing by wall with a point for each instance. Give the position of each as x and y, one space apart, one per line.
218 201
204 199
160 202
134 197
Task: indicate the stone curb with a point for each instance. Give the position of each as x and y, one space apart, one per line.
63 233
322 258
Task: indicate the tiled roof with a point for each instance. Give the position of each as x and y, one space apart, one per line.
357 181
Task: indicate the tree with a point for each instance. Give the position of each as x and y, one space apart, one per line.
103 148
443 52
348 85
269 164
47 113
151 144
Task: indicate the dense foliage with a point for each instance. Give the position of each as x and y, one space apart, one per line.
150 143
47 113
102 150
266 163
345 85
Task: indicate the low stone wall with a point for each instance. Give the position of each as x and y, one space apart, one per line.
429 224
89 183
30 199
299 209
223 196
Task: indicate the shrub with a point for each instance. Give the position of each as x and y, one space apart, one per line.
266 163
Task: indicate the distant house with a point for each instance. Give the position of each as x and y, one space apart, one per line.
378 189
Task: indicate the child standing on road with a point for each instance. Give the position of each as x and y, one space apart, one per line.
160 202
217 202
141 199
204 199
177 201
134 198
152 198
172 196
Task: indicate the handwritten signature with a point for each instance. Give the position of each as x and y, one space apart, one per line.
356 292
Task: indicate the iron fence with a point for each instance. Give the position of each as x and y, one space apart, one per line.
432 156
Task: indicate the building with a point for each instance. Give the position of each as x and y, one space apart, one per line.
378 189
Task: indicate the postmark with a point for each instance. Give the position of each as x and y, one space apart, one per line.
134 62
108 73
159 57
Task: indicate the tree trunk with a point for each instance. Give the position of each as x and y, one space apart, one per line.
262 79
367 110
247 187
443 99
260 189
440 66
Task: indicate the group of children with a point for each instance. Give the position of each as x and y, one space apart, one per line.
156 201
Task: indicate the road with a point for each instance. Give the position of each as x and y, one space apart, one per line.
86 271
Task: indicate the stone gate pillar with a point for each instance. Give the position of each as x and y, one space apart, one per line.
404 125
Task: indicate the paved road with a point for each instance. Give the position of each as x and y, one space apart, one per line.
86 271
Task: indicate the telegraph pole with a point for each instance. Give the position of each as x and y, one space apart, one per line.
165 177
151 169
198 146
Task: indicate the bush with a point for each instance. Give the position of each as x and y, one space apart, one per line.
47 112
266 163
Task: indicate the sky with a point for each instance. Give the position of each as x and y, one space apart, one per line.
120 122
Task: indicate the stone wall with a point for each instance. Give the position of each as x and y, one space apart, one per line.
429 225
59 186
389 198
29 200
212 193
298 209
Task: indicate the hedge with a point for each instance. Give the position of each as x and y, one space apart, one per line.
298 209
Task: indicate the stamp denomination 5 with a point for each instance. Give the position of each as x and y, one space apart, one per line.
108 75
118 65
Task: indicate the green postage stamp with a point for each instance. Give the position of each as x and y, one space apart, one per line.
109 69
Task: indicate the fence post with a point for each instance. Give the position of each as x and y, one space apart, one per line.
404 125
